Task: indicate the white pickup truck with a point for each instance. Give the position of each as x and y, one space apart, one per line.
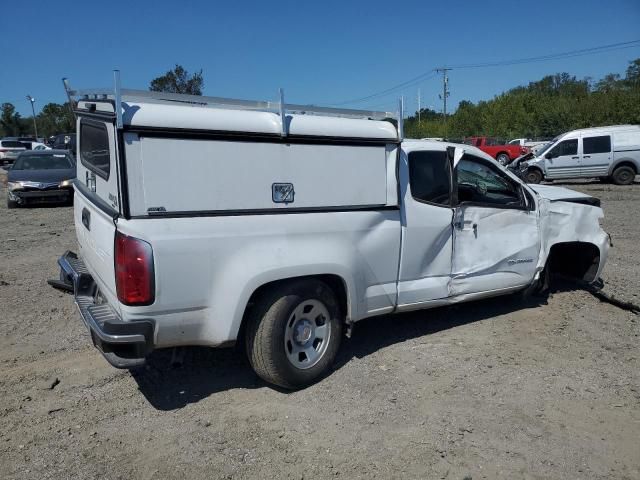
205 221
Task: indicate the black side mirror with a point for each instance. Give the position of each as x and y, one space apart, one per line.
548 156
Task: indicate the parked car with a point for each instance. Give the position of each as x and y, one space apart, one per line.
498 149
9 150
532 145
63 141
290 231
609 153
42 176
39 146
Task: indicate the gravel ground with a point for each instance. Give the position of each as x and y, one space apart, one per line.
503 388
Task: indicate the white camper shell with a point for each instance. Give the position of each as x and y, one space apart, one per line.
207 221
609 153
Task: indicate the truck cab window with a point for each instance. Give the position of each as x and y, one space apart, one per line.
429 177
566 147
479 183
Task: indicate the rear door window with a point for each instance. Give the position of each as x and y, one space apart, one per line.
94 148
601 144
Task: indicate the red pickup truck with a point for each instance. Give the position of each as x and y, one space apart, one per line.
501 151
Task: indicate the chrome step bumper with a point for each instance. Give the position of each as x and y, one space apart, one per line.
123 344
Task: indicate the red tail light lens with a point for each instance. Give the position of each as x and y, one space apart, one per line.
134 271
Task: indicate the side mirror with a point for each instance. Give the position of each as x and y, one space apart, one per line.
548 156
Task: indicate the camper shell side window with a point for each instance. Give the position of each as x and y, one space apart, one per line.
94 147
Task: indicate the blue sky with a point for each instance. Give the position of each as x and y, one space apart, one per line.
321 52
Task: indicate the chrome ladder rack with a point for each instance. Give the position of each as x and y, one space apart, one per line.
118 95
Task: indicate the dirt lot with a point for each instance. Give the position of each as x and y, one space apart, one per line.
497 389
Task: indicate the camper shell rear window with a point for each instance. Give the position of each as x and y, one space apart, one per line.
94 147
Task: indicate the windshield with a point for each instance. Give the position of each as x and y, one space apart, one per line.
42 162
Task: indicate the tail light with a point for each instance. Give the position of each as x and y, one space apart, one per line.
135 281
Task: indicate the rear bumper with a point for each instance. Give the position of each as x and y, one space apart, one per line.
123 344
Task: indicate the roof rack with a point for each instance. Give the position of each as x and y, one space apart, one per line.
117 95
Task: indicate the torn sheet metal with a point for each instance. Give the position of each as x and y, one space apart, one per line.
493 248
562 219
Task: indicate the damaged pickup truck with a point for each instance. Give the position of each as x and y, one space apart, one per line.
283 225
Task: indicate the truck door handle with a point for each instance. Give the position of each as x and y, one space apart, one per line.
578 157
86 218
586 156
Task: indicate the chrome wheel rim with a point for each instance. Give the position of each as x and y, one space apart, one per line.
307 334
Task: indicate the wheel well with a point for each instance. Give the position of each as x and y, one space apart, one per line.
625 163
536 168
503 153
335 282
577 260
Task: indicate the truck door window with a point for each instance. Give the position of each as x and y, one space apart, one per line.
566 147
94 147
429 177
600 144
481 184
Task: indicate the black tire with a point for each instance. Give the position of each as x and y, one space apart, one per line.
533 175
268 322
623 175
503 158
11 204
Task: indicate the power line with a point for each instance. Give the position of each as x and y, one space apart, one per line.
388 91
541 58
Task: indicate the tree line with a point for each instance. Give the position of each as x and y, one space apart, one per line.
544 108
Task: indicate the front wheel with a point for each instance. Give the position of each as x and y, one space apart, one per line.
293 333
533 176
503 158
11 204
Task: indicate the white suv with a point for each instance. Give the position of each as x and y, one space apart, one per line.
10 149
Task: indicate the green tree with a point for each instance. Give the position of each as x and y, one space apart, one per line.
55 118
10 121
633 74
544 108
178 80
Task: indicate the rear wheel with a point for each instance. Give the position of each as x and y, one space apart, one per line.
293 333
533 176
11 204
503 158
623 175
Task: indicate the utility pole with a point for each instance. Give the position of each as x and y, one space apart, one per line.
33 110
445 94
419 108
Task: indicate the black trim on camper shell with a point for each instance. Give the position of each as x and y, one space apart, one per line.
266 211
123 177
230 136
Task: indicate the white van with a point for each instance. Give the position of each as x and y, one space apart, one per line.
609 153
